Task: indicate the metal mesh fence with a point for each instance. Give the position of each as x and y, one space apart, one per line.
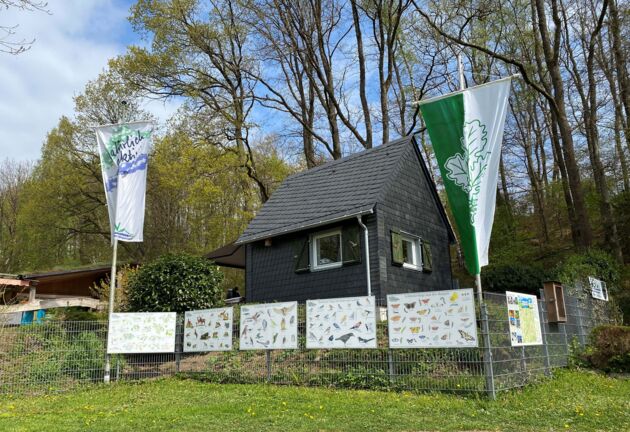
57 355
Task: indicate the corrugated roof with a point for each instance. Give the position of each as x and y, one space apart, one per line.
334 191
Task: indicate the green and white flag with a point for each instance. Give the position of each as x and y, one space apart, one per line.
466 130
124 151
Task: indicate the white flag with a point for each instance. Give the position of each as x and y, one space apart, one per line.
124 151
466 130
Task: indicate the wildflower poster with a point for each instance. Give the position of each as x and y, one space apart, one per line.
524 319
141 332
341 323
208 330
435 319
269 326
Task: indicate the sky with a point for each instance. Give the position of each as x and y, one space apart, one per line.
73 44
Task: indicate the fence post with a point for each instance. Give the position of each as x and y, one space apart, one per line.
487 355
268 359
579 322
390 362
543 325
179 343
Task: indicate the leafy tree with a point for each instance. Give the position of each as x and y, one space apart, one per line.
175 283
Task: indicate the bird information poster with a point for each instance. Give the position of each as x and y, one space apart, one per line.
524 319
269 326
141 332
341 323
208 330
435 319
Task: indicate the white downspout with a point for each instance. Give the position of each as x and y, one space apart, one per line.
367 254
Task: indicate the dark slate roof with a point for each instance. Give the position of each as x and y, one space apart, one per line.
336 190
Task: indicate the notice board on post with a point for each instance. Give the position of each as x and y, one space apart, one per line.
524 319
269 326
341 323
598 288
208 330
141 333
433 319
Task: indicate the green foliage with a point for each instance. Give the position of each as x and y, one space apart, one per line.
175 283
609 349
514 277
55 354
594 263
572 401
75 314
621 210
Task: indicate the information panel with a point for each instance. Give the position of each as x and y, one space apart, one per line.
433 319
341 323
524 319
598 289
141 332
208 330
269 326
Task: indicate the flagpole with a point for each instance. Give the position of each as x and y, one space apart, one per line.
112 291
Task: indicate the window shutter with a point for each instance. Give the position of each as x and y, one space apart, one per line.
301 256
427 257
351 244
397 251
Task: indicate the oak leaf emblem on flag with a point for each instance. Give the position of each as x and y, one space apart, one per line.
467 169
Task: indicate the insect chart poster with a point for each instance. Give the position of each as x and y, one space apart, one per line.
141 332
269 326
208 330
341 323
524 319
435 319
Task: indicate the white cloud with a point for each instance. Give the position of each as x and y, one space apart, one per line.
73 45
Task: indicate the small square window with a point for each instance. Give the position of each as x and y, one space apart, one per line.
411 252
326 250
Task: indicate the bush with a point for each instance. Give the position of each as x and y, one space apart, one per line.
594 262
175 283
609 348
514 277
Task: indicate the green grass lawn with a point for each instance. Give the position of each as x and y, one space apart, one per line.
571 401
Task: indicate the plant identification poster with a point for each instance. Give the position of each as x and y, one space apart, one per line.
435 319
141 332
524 319
208 330
341 323
269 326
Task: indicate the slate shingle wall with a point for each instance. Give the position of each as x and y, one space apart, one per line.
271 271
408 205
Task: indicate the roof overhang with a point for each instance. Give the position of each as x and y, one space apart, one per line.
230 255
313 223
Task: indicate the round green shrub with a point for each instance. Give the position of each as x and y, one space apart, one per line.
593 262
514 277
175 283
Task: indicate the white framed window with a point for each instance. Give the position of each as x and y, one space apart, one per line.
326 250
411 254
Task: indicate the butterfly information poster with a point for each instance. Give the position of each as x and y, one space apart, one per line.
269 326
435 319
208 330
524 319
141 332
341 323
